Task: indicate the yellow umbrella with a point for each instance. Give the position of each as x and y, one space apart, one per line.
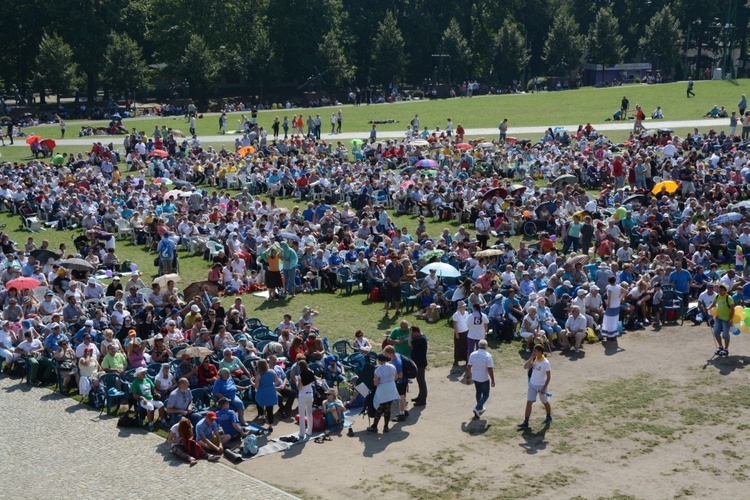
670 186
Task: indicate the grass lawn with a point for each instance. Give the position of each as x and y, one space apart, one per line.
589 104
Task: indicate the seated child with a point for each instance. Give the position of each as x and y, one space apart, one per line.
333 409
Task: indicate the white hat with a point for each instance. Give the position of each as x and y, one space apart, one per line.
532 296
140 369
581 291
594 287
88 323
568 283
195 308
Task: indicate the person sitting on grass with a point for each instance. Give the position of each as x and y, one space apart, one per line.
184 446
333 409
209 434
228 420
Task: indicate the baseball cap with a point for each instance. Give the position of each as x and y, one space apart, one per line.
115 278
195 308
211 415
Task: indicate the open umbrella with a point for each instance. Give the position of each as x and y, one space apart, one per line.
419 143
516 189
58 159
289 236
22 283
159 152
197 352
247 150
33 138
490 252
426 163
730 217
485 145
279 211
77 265
441 269
511 140
640 198
582 259
428 255
115 116
174 193
464 146
43 255
743 203
194 289
407 184
50 143
498 191
670 186
570 179
356 142
162 280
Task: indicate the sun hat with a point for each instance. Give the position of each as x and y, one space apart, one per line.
140 369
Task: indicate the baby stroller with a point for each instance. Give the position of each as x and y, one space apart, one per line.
31 222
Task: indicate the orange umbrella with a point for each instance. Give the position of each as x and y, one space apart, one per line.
465 146
33 138
247 150
159 152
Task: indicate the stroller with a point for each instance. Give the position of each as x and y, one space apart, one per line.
31 222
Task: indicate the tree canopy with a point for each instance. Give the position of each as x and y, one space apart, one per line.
350 42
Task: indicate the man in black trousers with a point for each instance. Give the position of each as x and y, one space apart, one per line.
419 356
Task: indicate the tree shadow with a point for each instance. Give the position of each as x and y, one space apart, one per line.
534 441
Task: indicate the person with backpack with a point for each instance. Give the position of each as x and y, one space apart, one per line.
402 382
385 392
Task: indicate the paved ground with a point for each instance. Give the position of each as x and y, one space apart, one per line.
44 453
533 133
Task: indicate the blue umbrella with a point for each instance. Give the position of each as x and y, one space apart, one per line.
442 269
730 217
116 116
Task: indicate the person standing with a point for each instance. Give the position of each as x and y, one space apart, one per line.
624 105
743 104
385 392
690 88
724 311
305 381
482 227
373 133
339 121
166 250
477 328
419 356
62 128
192 125
541 375
394 273
460 333
223 123
733 124
573 239
503 129
480 370
285 126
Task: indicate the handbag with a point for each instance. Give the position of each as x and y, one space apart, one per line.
66 365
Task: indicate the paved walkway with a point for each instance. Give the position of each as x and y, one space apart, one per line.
52 446
532 133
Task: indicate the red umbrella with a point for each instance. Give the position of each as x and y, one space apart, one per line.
22 284
159 152
33 138
49 143
465 146
406 184
510 140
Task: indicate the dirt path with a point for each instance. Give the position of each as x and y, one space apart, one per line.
648 417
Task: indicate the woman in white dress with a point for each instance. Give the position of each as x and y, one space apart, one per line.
611 319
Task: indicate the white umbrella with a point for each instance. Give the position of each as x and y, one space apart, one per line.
442 269
162 280
289 236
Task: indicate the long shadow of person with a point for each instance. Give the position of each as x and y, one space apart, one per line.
377 443
726 365
612 347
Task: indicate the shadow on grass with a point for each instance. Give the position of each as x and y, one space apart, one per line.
727 365
534 441
271 304
475 427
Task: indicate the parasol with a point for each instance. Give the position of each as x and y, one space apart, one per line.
77 265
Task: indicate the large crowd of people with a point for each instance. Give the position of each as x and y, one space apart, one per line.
668 226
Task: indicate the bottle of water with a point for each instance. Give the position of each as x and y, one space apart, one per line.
548 394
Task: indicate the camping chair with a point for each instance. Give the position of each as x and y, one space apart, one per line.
346 279
341 349
253 323
672 301
108 384
408 297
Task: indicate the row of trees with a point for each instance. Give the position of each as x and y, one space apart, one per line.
88 45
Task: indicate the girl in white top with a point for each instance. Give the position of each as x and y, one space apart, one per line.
361 344
165 381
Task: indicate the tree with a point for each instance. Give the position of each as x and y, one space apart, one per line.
563 47
199 66
388 56
333 59
124 72
663 40
55 69
510 56
604 43
455 44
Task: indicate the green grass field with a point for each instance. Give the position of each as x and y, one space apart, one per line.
589 104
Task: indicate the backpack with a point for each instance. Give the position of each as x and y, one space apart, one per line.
128 421
250 445
409 368
18 369
369 408
374 294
